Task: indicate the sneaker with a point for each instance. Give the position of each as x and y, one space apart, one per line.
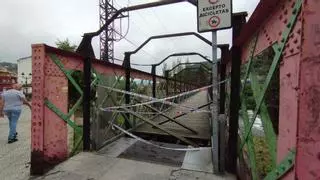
12 140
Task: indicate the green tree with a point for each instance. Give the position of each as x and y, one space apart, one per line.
66 45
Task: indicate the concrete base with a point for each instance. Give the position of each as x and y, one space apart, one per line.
198 161
90 166
106 164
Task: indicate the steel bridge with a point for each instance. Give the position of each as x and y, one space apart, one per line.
134 124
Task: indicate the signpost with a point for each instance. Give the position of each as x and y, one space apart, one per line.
215 15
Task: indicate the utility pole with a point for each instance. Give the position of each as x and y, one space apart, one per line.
109 34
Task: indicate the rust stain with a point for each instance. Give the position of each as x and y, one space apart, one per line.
316 34
313 103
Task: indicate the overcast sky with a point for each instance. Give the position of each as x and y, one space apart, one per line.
23 23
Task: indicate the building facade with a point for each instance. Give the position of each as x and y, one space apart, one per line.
7 79
25 73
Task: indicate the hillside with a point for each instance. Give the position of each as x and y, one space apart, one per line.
12 67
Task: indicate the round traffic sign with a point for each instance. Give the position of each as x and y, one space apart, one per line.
214 21
213 1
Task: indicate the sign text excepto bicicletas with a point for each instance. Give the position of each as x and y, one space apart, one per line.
214 10
214 14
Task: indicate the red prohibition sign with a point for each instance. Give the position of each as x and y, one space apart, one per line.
214 21
213 1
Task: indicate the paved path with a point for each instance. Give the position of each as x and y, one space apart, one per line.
15 157
108 165
196 121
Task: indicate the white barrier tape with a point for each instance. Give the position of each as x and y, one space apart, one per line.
152 113
118 111
148 103
155 145
189 109
154 100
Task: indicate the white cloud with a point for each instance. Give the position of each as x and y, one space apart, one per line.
23 23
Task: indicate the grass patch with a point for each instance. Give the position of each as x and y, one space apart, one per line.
263 157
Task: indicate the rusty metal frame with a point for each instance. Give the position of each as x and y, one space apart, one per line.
204 67
177 35
183 54
286 44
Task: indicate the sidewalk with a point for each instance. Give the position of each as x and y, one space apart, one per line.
15 157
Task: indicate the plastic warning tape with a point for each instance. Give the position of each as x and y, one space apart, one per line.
155 100
119 111
153 113
155 145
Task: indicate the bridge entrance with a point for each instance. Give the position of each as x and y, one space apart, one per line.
130 115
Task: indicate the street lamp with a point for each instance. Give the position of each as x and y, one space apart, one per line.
26 77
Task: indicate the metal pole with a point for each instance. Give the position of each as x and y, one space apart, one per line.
86 104
215 116
154 80
238 21
167 82
126 64
175 85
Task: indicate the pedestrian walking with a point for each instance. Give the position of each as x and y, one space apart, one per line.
11 102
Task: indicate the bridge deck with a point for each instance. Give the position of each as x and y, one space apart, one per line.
196 121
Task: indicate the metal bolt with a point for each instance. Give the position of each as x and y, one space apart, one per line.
289 24
299 31
280 17
294 12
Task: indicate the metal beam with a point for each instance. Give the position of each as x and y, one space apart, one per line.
86 104
238 22
178 35
102 67
201 65
184 54
191 68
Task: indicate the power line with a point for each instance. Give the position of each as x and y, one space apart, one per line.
145 21
124 37
135 64
141 49
132 43
163 26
